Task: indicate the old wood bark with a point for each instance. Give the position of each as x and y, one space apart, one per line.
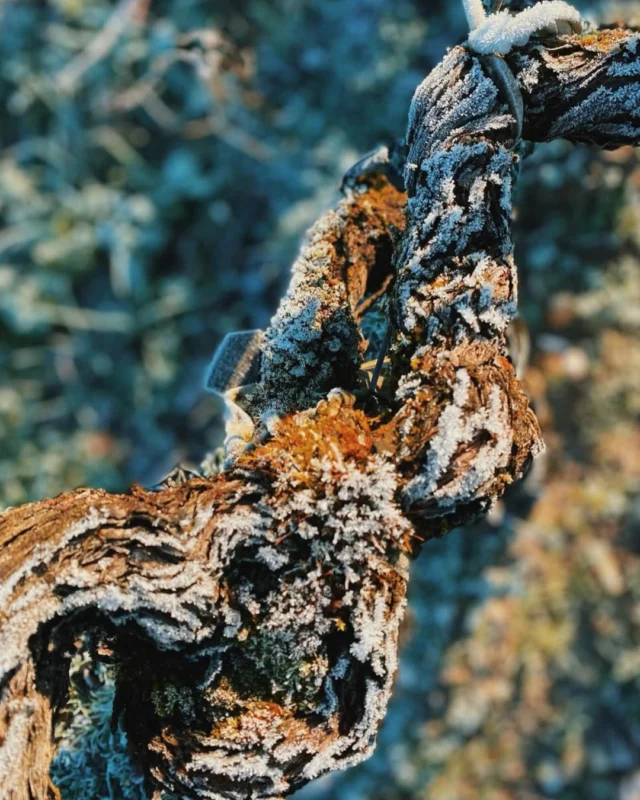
254 616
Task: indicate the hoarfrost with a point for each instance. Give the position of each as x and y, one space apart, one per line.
501 32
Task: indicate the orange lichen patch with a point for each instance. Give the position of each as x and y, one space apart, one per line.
329 432
603 41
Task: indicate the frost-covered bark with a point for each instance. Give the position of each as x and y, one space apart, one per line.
314 342
254 616
585 88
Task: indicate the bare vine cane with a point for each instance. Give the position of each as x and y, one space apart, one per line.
253 616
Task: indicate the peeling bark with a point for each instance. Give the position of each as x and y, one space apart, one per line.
254 616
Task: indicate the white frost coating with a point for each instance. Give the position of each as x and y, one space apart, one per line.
313 338
231 529
458 230
443 446
460 104
530 76
326 760
143 599
475 13
369 632
19 626
605 104
26 600
455 428
240 766
492 457
159 539
501 32
43 552
178 624
273 558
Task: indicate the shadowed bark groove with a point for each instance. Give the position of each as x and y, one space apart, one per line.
254 616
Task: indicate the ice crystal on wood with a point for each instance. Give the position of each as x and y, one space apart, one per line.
501 32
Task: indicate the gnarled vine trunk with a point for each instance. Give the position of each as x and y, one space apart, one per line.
254 616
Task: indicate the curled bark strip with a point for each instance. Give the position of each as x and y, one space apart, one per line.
254 616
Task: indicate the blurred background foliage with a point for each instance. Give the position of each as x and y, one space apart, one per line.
158 164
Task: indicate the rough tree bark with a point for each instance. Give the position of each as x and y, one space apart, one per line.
254 616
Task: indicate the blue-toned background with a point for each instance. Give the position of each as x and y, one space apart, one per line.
159 162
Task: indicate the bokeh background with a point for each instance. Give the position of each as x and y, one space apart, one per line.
159 162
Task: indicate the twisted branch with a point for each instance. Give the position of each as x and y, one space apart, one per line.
254 616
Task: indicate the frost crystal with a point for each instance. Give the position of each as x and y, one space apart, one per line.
475 13
500 33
